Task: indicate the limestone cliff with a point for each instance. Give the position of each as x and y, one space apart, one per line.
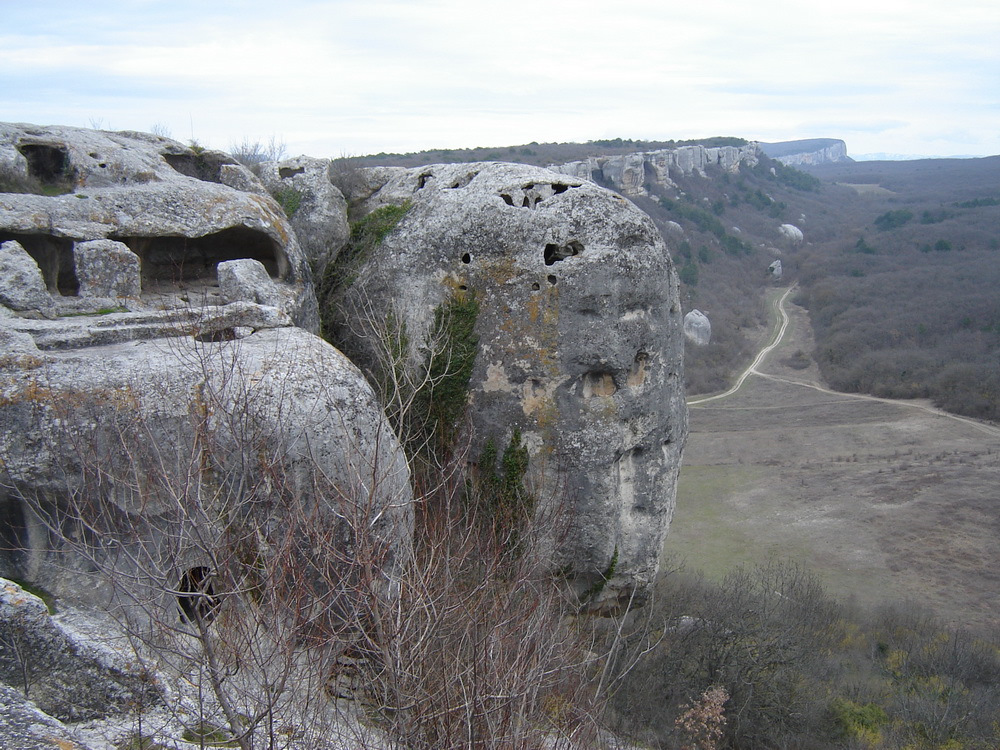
630 173
807 151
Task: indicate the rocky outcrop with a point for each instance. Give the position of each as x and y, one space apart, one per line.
174 208
775 270
319 217
276 402
697 328
579 342
630 173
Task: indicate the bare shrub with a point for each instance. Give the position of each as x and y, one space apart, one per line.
253 153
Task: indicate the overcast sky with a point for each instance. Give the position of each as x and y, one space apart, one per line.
362 76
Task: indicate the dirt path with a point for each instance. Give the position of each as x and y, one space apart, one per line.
884 499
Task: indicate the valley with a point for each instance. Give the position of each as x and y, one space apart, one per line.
887 501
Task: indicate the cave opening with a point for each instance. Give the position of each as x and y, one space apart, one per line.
54 256
174 260
196 595
554 253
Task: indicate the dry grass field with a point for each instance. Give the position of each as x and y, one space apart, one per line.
887 501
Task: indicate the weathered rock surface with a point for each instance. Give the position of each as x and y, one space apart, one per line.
168 203
628 174
320 221
580 341
69 678
698 328
775 269
144 404
21 284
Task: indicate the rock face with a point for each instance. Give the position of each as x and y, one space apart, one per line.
697 328
629 174
579 341
68 678
173 207
320 216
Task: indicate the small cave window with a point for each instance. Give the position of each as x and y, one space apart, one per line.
558 189
196 597
286 172
554 253
466 258
423 179
202 165
509 200
47 162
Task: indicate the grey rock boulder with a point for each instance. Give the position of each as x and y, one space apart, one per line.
247 280
167 202
791 233
320 219
698 328
579 342
775 269
21 284
106 268
69 678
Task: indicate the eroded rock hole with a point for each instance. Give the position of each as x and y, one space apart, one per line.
551 279
559 189
187 259
286 172
535 287
422 180
54 256
599 383
196 595
462 182
555 253
507 199
47 162
637 373
466 258
526 203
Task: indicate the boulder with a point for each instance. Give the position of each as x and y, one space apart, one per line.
67 677
320 215
278 411
579 343
21 284
168 203
697 328
106 268
775 269
247 280
791 233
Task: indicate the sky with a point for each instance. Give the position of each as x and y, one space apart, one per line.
353 77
